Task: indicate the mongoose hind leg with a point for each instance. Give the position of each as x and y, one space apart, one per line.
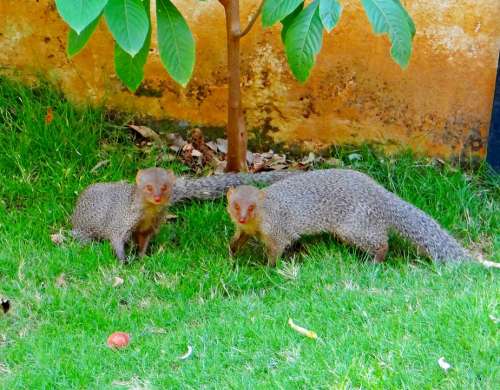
371 239
239 239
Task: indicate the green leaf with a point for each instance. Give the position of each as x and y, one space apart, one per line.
130 69
287 22
303 41
80 13
388 16
329 12
409 19
275 10
175 42
77 42
128 22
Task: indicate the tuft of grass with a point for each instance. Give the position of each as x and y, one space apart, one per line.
380 326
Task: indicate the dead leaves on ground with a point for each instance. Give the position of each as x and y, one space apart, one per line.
199 154
444 364
57 238
61 281
117 281
145 132
49 117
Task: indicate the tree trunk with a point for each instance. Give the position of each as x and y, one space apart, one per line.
236 132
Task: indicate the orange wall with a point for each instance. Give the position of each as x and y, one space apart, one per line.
440 105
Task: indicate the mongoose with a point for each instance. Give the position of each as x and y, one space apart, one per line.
346 203
120 211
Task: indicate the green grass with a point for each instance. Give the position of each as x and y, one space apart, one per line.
381 326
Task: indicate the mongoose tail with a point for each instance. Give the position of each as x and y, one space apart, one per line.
214 187
424 232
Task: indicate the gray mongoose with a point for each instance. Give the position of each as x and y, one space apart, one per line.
346 203
120 211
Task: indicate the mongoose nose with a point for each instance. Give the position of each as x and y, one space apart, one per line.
157 199
242 220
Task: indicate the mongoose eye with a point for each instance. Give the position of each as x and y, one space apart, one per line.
149 188
251 207
163 188
237 207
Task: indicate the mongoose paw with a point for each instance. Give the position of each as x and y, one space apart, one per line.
125 260
271 262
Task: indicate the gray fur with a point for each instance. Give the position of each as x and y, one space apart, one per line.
353 207
214 187
113 211
108 211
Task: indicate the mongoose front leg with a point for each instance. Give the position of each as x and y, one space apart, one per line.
118 245
142 241
380 253
239 239
274 250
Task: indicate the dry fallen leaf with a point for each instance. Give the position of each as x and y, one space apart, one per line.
57 238
187 354
117 281
278 167
198 140
249 157
278 159
444 364
258 163
61 281
50 116
222 145
196 153
309 159
146 132
489 264
334 162
134 383
4 368
301 330
156 330
100 164
169 216
212 145
355 157
219 166
176 141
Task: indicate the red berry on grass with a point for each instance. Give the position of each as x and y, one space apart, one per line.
118 340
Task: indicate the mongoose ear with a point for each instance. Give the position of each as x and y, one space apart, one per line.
138 176
229 192
262 195
171 176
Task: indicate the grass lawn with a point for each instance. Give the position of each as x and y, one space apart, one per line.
380 326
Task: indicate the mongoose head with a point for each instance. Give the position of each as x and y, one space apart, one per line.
155 185
243 203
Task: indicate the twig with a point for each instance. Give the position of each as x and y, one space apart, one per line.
252 21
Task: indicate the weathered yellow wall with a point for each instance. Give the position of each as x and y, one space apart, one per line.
440 105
